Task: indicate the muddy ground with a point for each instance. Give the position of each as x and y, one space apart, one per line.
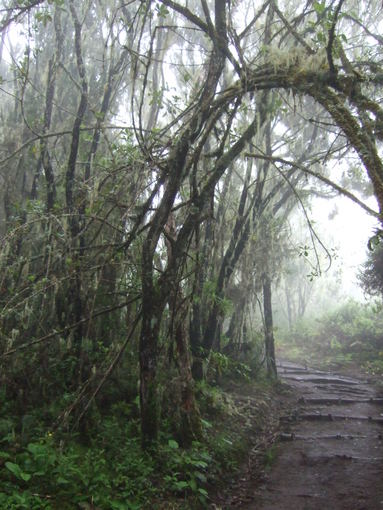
330 449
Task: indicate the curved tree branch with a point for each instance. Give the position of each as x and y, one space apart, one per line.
321 178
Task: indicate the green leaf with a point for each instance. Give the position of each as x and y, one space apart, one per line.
173 444
4 455
181 485
36 449
43 17
200 476
200 463
62 480
118 505
17 471
319 7
162 11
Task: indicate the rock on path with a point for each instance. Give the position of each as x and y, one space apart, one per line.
330 456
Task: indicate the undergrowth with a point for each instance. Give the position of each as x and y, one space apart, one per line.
58 470
349 335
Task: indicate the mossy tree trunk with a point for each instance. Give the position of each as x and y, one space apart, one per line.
269 333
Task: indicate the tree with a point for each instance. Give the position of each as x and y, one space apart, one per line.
371 274
127 155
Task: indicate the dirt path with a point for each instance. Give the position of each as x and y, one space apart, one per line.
331 451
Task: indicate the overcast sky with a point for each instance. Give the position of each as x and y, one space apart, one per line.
349 230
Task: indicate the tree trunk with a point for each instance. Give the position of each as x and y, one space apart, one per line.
148 347
148 386
289 307
190 427
269 334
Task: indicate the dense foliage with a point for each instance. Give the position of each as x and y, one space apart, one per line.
371 274
106 468
352 333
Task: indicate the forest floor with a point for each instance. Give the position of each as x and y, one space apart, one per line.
325 451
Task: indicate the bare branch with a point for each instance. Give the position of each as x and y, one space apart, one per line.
320 177
331 38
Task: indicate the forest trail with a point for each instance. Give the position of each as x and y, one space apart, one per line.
331 451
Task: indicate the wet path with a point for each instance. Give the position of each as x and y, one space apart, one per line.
331 451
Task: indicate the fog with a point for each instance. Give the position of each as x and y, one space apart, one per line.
346 228
343 230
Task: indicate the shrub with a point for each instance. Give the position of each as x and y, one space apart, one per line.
354 331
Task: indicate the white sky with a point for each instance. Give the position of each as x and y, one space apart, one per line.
349 231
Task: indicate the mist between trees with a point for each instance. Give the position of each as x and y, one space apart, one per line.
152 156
